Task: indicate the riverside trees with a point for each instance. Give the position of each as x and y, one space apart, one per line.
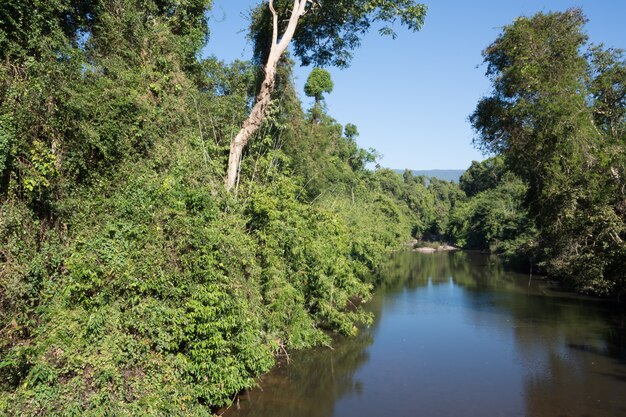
556 113
130 282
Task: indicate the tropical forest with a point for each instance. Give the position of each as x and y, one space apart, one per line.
184 235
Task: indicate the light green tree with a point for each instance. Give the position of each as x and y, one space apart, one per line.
318 83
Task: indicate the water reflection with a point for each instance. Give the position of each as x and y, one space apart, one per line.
455 334
309 383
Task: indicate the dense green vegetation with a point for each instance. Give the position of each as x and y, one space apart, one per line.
494 217
557 116
552 199
132 282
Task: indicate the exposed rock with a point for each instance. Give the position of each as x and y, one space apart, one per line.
425 250
441 248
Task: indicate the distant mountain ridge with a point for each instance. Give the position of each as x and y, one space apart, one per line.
442 174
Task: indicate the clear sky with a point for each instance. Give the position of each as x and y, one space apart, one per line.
411 97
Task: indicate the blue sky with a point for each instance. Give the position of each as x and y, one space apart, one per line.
410 97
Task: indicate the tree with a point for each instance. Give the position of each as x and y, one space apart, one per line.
322 34
556 114
350 131
318 83
481 176
608 88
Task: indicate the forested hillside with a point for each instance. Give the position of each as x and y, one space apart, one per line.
442 174
131 281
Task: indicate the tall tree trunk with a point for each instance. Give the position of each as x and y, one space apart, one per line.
255 119
250 125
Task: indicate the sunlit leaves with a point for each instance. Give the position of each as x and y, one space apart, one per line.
330 31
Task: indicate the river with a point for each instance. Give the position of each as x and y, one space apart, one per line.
456 335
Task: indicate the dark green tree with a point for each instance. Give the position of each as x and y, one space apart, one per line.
481 176
556 115
350 131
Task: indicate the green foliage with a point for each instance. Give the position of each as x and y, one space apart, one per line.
327 35
307 252
167 302
557 116
493 218
609 90
7 139
85 84
481 176
327 161
350 131
446 196
130 282
318 83
425 204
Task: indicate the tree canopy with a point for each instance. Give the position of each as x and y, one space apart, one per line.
330 31
556 114
318 83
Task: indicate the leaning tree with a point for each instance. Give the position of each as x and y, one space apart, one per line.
321 33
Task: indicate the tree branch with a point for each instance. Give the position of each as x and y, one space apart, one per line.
298 9
274 23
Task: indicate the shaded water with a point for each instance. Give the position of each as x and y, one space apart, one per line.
455 335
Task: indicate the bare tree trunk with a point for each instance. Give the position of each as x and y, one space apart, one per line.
250 126
255 119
